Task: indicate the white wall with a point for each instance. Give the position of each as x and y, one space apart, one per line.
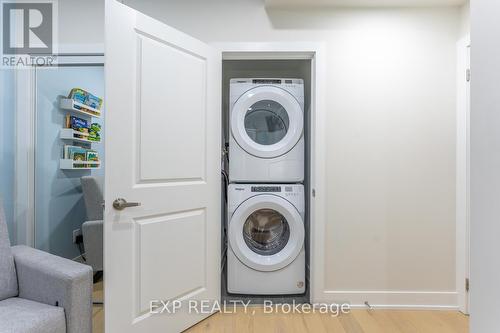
464 28
485 166
81 25
391 132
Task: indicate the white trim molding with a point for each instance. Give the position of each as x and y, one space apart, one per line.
80 60
84 49
318 175
386 299
24 178
316 52
463 173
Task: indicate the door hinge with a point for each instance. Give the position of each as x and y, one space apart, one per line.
467 74
313 193
467 285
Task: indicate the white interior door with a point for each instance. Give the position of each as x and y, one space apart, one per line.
163 151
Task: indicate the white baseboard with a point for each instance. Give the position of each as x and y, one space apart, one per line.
422 300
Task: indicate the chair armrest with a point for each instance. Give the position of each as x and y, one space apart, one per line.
93 242
53 280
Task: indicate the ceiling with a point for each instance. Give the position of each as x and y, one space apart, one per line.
363 3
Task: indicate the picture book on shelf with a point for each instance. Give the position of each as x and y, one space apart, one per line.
77 124
75 153
84 97
92 156
80 154
94 132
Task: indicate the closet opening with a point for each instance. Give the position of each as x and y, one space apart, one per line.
266 212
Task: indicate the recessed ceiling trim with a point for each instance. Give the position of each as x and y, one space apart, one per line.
362 3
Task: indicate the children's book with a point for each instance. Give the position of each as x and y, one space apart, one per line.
86 98
92 156
78 124
75 153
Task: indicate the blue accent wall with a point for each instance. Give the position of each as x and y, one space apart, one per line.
7 141
59 205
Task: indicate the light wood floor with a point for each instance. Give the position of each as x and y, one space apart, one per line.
358 321
98 310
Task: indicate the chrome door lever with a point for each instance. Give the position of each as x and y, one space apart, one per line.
121 204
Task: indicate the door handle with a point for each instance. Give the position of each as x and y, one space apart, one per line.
121 204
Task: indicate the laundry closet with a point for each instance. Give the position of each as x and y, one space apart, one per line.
266 118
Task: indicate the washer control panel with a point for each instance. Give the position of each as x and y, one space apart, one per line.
238 193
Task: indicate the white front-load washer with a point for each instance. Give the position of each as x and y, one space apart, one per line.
266 142
266 254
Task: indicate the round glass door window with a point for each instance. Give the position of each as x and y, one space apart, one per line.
266 122
266 232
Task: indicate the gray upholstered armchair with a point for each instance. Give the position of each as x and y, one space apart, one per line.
40 292
92 229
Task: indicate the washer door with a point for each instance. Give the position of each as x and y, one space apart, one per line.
267 121
266 232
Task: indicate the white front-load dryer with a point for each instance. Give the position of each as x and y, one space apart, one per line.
266 233
266 142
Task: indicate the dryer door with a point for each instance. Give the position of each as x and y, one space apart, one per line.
266 232
267 121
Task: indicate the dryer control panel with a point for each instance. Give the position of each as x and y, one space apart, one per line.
266 189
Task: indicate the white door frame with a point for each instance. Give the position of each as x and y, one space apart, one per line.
24 156
316 53
25 122
462 173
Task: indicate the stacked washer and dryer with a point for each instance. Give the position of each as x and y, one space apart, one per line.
266 202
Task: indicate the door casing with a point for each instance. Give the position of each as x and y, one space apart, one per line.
315 52
463 174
